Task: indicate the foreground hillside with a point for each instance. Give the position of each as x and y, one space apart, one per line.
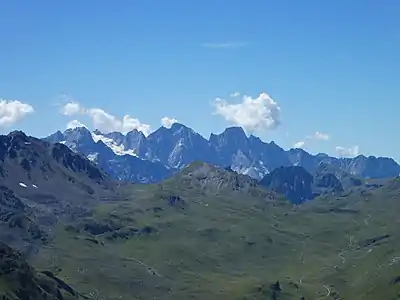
205 233
212 234
19 281
41 184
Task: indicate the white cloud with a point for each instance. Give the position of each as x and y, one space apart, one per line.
72 108
226 45
75 124
321 136
348 152
318 136
104 121
167 122
252 114
235 94
12 111
299 144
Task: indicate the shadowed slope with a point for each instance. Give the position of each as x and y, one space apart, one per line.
19 281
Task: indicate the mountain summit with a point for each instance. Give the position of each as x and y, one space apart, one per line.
138 158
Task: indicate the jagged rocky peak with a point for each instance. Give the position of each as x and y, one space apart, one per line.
135 136
15 140
329 182
232 136
17 135
32 161
235 131
116 136
76 162
77 134
179 126
56 137
18 144
179 145
274 148
255 138
135 133
256 142
298 153
294 182
161 134
198 171
185 133
137 142
214 178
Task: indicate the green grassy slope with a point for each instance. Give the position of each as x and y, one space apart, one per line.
19 281
211 234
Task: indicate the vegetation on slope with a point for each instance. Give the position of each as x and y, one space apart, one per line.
19 281
208 234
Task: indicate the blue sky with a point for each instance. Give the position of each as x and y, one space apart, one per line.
331 67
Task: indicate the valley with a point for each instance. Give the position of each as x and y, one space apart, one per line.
199 150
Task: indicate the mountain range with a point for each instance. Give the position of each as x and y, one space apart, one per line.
205 232
135 157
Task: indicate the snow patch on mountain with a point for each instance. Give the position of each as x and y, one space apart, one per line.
118 149
135 157
92 157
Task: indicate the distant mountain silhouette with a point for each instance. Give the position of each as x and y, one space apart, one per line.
138 158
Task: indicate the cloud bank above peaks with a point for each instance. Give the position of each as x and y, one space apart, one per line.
299 144
167 122
102 120
252 114
316 136
320 136
13 111
75 124
347 152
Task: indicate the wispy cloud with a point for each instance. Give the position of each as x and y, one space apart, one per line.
299 144
348 152
315 136
318 136
226 45
234 94
167 122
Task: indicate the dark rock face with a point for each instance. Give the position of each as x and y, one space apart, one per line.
96 227
17 219
293 182
175 200
178 146
42 183
76 162
20 281
329 182
396 280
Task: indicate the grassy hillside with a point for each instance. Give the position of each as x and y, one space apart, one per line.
212 234
19 281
